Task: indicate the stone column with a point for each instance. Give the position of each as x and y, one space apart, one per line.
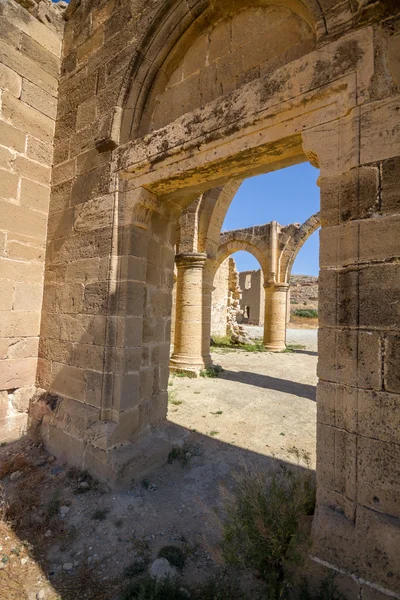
192 327
275 316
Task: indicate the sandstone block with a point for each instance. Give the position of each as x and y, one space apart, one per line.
60 197
9 187
28 296
27 118
377 282
6 159
67 381
32 170
379 475
39 99
27 68
94 387
94 214
90 45
17 373
392 363
16 324
34 195
25 347
22 20
390 186
86 114
126 390
85 329
350 357
22 220
88 356
25 250
9 33
10 81
63 172
91 185
39 151
21 398
12 137
14 426
7 294
379 139
47 60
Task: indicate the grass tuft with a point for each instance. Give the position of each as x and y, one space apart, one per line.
306 313
226 343
211 372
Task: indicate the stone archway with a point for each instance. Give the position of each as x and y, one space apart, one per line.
328 105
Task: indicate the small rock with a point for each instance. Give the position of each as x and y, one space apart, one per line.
68 566
161 569
41 595
48 534
40 462
84 485
16 475
64 510
51 459
24 560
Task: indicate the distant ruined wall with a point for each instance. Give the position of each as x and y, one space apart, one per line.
30 49
225 298
253 295
220 300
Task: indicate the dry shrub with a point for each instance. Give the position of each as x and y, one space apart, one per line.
259 529
13 463
84 582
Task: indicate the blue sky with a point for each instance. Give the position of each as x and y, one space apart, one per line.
288 196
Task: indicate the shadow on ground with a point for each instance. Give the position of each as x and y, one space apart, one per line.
80 556
302 390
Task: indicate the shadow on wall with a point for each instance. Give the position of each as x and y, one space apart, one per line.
34 498
302 390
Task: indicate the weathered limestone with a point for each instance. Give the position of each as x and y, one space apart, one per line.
226 297
30 49
193 314
324 88
276 296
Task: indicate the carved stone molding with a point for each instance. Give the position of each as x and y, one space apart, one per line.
141 205
191 260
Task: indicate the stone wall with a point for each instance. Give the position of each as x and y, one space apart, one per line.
253 297
29 69
220 300
227 57
225 299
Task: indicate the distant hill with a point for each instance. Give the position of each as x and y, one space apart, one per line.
303 291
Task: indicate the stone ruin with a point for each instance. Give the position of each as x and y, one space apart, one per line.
140 113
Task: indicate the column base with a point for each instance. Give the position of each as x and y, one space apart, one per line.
76 436
274 347
192 366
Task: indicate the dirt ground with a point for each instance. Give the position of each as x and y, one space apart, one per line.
68 537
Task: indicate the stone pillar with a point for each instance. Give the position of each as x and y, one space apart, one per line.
275 316
193 312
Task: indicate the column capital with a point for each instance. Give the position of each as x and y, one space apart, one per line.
278 287
191 260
